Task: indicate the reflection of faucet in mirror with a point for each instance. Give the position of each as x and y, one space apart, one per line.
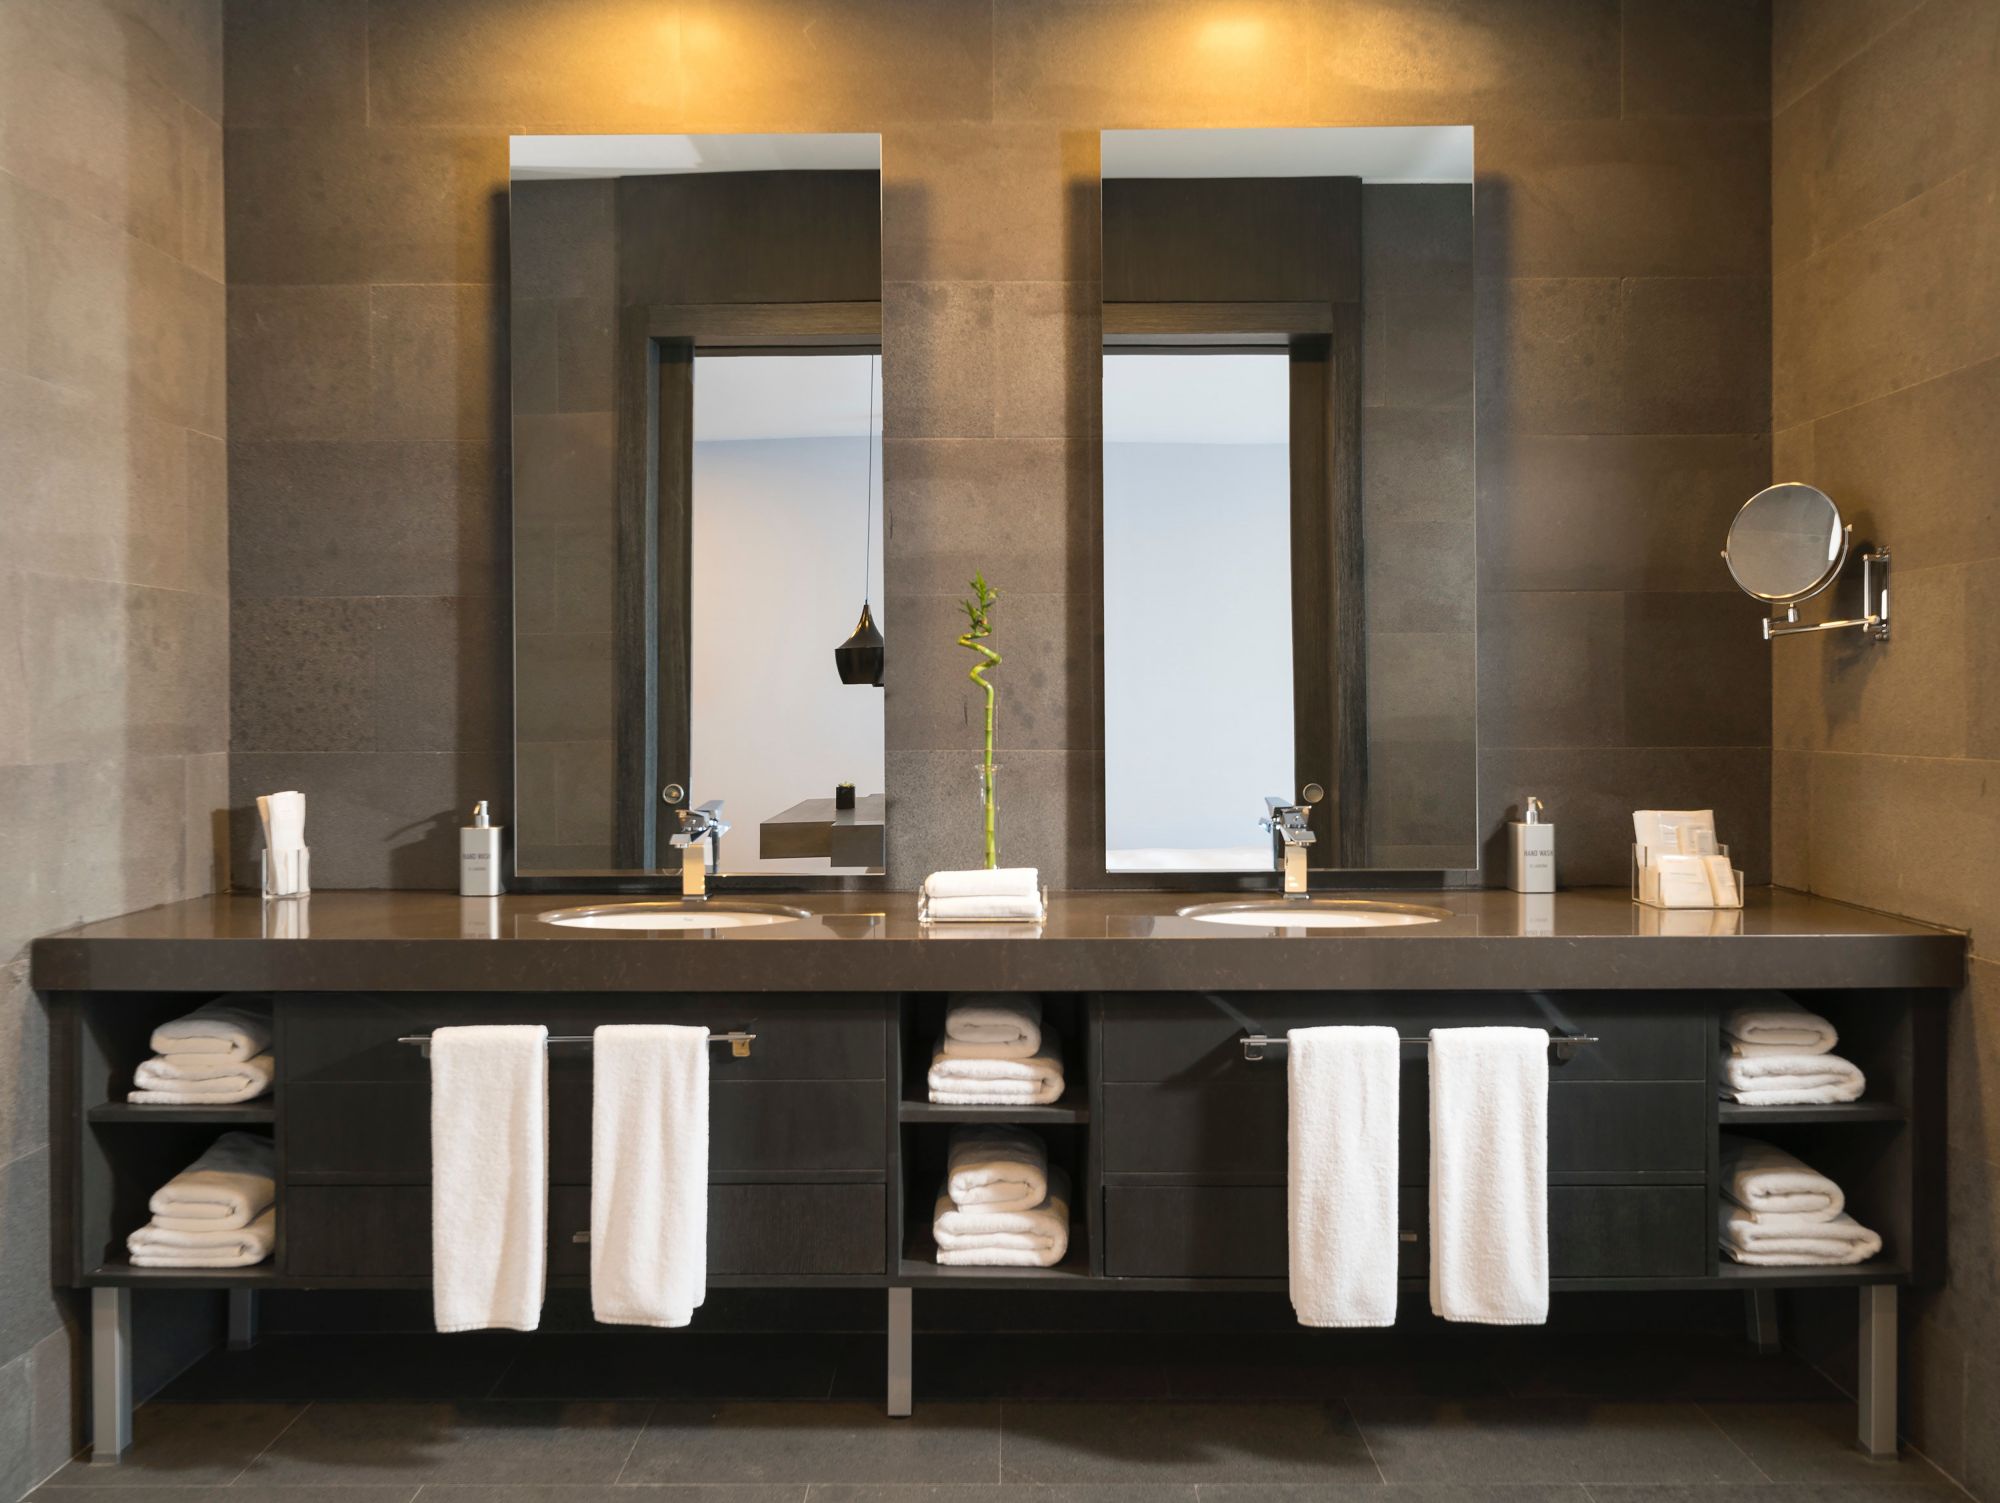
1291 833
698 840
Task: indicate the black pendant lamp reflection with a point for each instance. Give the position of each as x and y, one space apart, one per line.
859 658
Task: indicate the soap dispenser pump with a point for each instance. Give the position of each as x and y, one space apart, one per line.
1533 868
479 855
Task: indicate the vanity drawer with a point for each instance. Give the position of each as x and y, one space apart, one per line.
1237 1125
384 1232
380 1133
1662 1036
1217 1231
325 1039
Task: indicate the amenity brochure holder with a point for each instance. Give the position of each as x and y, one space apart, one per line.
1658 886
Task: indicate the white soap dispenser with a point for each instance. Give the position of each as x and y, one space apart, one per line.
479 855
1534 848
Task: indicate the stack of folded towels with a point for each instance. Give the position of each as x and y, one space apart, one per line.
1775 1053
218 1054
1778 1213
993 1054
1002 1206
219 1212
1002 895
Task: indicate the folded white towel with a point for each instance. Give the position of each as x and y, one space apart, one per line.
999 882
489 1176
228 1030
993 1027
997 1082
1790 1079
1490 1175
1794 1241
997 1169
1777 1025
155 1246
1020 909
648 1174
1764 1179
985 1238
225 1189
200 1079
1343 1086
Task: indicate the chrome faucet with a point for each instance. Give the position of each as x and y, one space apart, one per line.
1291 834
699 839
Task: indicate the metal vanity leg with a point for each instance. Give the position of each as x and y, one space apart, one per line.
1878 1369
899 1353
1762 1308
242 1319
110 1374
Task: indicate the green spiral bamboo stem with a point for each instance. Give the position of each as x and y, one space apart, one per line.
979 626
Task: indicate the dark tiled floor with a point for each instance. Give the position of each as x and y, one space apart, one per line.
1063 1417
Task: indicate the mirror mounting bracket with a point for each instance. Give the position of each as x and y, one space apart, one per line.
1873 626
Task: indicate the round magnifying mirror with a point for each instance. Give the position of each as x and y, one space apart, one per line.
1786 544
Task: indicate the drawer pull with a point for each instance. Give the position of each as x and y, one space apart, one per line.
739 1043
579 1237
1565 1044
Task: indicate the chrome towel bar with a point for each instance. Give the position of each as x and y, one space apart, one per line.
739 1043
1565 1044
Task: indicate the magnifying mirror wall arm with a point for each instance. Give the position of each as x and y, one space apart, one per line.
1874 597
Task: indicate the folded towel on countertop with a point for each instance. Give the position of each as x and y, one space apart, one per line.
230 1030
1490 1175
997 882
1776 1025
993 1027
155 1246
1024 908
489 1176
985 1238
1763 1178
1794 1241
200 1079
1036 1081
996 1169
225 1189
1790 1079
1343 1085
648 1174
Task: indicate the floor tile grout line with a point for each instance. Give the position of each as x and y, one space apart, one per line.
1703 1408
287 1430
1354 1419
651 1410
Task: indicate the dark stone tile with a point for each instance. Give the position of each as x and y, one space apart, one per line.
1419 509
95 1490
1695 355
183 1446
1552 669
303 674
1169 1443
347 518
298 361
988 1493
938 828
981 202
681 1365
1411 1492
1660 1367
321 205
1780 1492
442 679
1697 671
295 62
1547 1440
17 1424
334 1368
486 1443
1047 359
1549 354
562 240
564 468
1423 803
1331 1365
1810 1442
563 686
1044 1365
933 705
1982 1445
563 1492
937 359
1698 57
1018 509
586 355
769 1443
438 362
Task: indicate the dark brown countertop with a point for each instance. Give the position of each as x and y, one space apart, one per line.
1591 939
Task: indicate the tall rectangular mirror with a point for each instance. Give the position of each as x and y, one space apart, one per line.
1289 567
696 372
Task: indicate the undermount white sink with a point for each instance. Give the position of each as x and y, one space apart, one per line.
1314 913
672 914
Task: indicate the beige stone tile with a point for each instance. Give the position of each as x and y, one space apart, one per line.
14 705
856 65
123 670
981 202
102 836
1909 296
207 514
1634 197
1697 57
1811 38
1405 62
1982 1397
1174 63
1018 508
296 62
177 343
938 360
1047 360
1932 76
62 479
1908 835
1980 660
1791 819
202 221
206 854
178 43
323 205
75 281
1793 454
299 363
1935 1374
1972 1054
437 361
